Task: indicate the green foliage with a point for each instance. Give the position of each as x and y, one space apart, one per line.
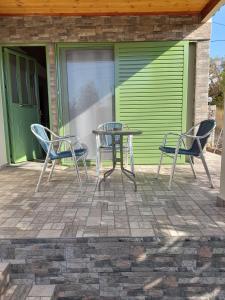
217 81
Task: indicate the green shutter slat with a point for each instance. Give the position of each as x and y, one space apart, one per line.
150 97
151 93
155 81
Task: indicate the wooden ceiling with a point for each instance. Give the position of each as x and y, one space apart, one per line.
105 7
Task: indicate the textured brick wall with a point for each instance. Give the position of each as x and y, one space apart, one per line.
92 29
51 30
202 80
52 86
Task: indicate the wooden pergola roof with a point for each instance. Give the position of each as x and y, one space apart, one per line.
204 8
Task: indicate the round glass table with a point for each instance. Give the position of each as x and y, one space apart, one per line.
118 135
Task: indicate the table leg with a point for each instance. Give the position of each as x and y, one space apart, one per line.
129 172
126 172
109 172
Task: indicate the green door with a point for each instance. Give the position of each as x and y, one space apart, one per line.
151 93
22 105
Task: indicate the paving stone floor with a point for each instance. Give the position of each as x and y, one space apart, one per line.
60 209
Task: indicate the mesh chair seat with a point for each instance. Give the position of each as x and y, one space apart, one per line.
171 150
67 154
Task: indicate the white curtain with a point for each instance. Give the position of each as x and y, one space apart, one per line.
91 91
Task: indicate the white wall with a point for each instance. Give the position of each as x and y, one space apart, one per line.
3 157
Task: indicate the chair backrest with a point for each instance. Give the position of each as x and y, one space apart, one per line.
41 134
205 128
106 140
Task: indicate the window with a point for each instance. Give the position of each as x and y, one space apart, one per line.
13 78
33 98
23 81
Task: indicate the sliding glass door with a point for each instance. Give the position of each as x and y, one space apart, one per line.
88 76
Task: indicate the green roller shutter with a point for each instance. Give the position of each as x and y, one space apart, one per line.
151 92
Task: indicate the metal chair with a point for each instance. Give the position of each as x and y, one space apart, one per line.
196 149
104 144
78 153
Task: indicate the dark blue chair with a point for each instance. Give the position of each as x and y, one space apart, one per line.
199 140
78 153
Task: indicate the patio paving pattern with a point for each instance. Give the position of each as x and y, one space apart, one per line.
61 210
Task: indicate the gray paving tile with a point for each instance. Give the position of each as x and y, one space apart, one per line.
61 209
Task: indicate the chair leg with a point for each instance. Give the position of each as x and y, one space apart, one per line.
207 170
159 166
173 170
131 153
77 170
76 167
85 167
41 175
132 162
127 154
100 160
97 163
192 166
52 169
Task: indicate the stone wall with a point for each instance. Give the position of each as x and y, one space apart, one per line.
51 30
121 268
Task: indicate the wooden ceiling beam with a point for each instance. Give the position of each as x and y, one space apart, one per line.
101 7
92 14
204 8
210 9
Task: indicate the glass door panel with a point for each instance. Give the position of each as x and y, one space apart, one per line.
90 90
23 76
13 78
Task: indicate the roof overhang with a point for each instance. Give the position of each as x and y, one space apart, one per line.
203 8
210 9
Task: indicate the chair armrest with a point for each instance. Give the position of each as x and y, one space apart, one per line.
51 132
63 140
60 140
67 136
180 135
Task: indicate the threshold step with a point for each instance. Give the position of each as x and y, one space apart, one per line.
42 292
16 292
4 277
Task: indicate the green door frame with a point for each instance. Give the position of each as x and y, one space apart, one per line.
3 84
